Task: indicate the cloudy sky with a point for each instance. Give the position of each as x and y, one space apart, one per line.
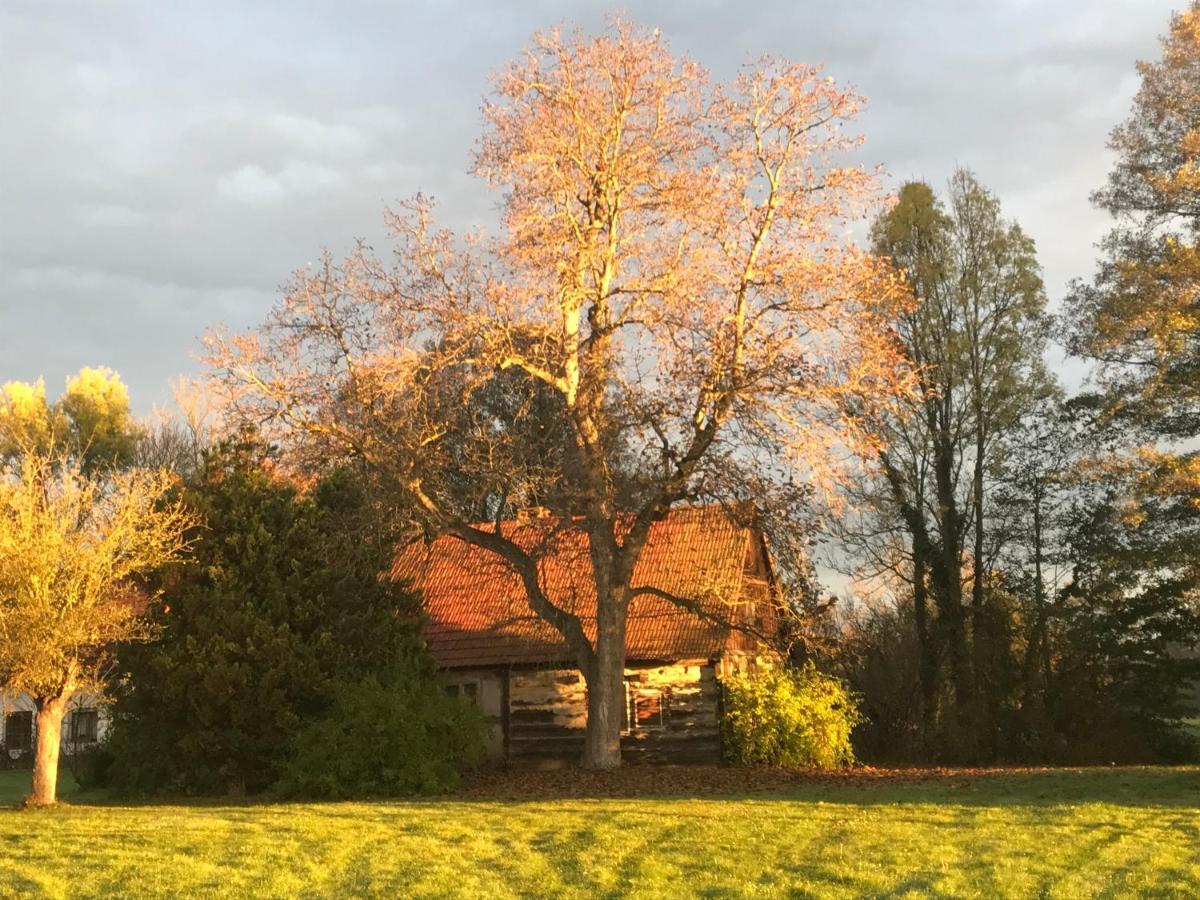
164 166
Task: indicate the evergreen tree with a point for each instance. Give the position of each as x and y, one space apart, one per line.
283 595
1128 619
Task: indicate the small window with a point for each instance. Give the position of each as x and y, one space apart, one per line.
645 709
18 731
649 710
84 726
468 690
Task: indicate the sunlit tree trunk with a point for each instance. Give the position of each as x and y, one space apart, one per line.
50 713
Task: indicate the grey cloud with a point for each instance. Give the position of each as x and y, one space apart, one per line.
163 167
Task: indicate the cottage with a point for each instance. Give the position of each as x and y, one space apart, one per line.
493 649
84 726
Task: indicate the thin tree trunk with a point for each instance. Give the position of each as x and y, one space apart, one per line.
977 594
980 631
1036 665
50 714
926 649
1033 650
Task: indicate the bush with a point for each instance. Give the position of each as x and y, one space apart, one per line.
141 762
385 737
90 766
280 599
789 717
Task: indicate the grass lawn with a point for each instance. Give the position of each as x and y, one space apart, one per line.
1076 833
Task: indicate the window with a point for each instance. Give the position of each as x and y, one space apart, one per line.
18 731
83 725
468 690
648 710
645 709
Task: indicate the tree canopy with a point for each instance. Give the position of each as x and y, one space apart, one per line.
673 274
1139 319
90 423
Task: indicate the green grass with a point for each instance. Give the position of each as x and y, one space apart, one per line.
15 785
1070 834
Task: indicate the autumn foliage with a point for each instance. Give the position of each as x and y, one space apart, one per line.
78 534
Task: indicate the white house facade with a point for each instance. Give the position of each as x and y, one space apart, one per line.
84 725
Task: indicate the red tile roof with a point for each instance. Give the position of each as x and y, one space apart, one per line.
478 614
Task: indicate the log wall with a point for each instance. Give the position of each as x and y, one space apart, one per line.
672 715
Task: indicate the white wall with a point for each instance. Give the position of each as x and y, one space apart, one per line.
24 703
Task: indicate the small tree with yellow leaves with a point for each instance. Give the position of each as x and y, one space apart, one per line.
76 531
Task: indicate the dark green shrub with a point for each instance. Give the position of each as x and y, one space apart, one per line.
141 763
90 766
789 717
280 599
385 737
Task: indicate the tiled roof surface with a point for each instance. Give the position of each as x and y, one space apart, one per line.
479 616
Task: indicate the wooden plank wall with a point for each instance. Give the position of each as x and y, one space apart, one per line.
675 708
547 713
673 715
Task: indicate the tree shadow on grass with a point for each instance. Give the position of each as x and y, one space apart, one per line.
1122 786
1141 787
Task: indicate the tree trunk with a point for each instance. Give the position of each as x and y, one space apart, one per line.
50 714
1036 664
981 631
947 578
947 589
927 650
606 687
943 560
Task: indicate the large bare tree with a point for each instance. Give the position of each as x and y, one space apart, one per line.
673 282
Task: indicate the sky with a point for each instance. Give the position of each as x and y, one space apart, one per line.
165 166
